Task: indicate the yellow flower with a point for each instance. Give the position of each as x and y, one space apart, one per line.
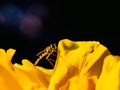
80 65
7 79
21 77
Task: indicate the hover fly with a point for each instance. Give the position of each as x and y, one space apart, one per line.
48 51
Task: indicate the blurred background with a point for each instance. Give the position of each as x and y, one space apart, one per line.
30 26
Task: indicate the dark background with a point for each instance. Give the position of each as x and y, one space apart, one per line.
103 24
63 21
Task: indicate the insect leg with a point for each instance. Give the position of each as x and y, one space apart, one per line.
53 54
48 59
40 53
53 51
40 57
36 62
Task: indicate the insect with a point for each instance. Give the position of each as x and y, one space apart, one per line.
48 51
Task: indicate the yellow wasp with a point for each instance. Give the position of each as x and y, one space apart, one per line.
48 51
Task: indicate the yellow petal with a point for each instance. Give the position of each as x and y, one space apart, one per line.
110 76
5 59
71 59
8 81
32 75
10 52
